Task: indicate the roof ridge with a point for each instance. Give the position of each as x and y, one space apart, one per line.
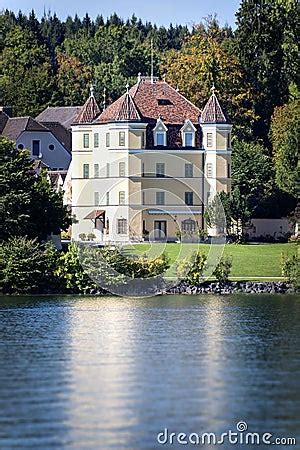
88 112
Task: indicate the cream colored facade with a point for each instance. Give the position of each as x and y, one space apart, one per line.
118 178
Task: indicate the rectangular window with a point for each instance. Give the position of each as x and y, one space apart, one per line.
122 198
143 198
121 226
188 170
96 140
107 198
96 198
86 171
143 169
160 198
107 139
35 148
160 170
96 170
160 138
121 138
209 170
228 171
189 198
143 140
86 140
209 138
188 139
107 170
121 169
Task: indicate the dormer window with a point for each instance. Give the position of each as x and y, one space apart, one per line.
160 134
188 133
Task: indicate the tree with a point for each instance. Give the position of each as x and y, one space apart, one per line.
285 138
252 182
73 79
202 61
266 45
26 77
28 204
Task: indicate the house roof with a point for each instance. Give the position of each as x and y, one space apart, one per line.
64 115
16 125
151 101
63 135
127 109
89 111
212 111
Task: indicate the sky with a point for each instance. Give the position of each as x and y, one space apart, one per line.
161 12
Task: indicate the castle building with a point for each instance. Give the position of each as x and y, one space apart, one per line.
148 164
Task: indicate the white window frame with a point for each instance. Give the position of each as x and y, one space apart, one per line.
40 153
160 129
189 225
188 127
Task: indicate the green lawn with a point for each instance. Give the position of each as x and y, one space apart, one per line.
252 261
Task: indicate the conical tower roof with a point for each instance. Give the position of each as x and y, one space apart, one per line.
89 111
212 111
127 109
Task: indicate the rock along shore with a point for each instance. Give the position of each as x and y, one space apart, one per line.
232 287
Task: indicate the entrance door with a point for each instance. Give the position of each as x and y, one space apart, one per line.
160 230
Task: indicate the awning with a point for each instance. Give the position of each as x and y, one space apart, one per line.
96 214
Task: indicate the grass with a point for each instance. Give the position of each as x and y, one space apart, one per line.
249 261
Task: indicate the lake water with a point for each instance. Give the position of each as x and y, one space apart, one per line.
111 373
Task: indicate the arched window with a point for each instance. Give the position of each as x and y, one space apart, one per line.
188 225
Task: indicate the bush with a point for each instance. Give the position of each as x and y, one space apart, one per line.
223 269
27 267
191 269
290 269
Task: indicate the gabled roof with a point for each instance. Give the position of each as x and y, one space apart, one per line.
153 100
63 135
16 125
212 111
64 115
89 111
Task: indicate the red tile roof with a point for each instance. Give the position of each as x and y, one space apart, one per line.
152 101
89 111
212 111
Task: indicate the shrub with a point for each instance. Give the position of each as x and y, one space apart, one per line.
23 266
191 269
290 269
223 269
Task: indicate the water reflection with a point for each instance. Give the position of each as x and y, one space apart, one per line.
111 373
